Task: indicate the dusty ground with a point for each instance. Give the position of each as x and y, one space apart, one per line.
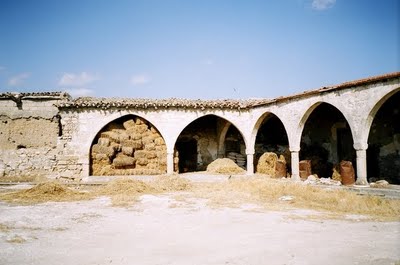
163 229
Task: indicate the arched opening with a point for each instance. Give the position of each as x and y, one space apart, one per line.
129 145
326 140
203 140
272 137
383 153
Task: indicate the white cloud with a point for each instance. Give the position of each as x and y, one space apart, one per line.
140 79
18 79
322 4
80 92
76 80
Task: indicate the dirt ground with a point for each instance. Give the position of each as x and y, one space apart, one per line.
163 229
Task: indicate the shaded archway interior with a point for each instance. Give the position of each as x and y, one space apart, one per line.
203 141
383 153
326 140
129 145
272 137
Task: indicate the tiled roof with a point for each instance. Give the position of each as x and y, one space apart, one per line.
11 95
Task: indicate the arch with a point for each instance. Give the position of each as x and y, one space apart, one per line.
260 121
97 127
128 145
376 107
269 135
209 132
383 153
325 138
210 114
307 114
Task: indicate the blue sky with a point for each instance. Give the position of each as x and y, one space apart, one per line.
194 49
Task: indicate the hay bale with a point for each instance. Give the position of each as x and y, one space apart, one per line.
122 161
127 150
141 128
101 149
103 141
150 147
134 135
159 141
101 158
140 154
151 155
135 144
267 164
129 124
116 147
224 166
154 130
140 121
142 161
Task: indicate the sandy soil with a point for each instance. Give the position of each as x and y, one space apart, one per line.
160 230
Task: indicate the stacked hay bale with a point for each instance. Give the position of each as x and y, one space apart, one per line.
271 165
239 159
135 148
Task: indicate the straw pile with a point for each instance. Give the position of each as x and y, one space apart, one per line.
224 166
134 147
43 192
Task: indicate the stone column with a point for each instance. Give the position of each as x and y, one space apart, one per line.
170 163
295 164
250 164
361 167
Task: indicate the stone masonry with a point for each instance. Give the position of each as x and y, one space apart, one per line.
53 135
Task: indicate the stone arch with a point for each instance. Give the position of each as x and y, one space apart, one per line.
383 139
309 111
325 139
269 134
208 132
377 107
128 145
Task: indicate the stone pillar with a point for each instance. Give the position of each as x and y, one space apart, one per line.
250 164
361 167
170 163
295 165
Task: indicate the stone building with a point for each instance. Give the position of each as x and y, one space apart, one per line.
53 135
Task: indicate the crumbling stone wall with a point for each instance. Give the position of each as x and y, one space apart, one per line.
29 131
129 146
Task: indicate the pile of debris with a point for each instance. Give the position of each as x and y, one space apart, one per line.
239 159
270 164
135 148
314 180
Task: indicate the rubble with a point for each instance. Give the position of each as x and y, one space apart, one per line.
379 184
314 180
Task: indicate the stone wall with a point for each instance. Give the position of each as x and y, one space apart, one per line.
29 132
